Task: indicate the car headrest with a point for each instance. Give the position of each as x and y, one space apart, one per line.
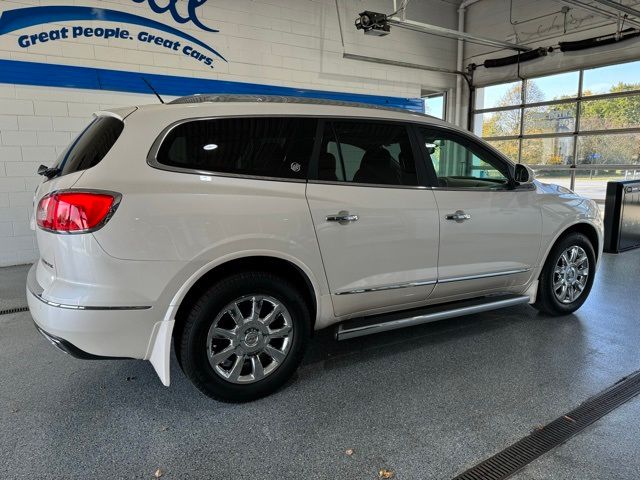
376 158
327 166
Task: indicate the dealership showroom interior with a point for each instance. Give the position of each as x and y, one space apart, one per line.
320 239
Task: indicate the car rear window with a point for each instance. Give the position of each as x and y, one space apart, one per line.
91 146
269 147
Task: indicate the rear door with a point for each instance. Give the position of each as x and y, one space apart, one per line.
376 223
490 231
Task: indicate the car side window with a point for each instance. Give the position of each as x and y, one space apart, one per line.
460 163
271 147
368 152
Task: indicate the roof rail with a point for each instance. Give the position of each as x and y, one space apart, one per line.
206 98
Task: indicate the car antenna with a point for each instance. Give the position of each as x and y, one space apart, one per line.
152 89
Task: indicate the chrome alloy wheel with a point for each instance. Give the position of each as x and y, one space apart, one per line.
249 339
570 274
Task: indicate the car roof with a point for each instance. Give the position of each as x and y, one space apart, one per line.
228 105
202 98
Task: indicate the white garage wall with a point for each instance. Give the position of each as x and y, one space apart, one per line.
492 18
36 124
295 43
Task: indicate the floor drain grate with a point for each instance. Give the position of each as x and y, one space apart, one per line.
14 310
516 456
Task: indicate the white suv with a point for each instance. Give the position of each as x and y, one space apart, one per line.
238 225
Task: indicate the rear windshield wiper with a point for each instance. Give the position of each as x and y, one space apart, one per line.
48 172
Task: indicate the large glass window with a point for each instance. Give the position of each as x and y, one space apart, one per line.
502 123
502 95
567 125
610 113
552 87
612 149
367 152
547 151
613 78
558 118
508 147
435 105
269 147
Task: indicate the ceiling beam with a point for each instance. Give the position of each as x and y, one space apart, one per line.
458 35
620 7
599 11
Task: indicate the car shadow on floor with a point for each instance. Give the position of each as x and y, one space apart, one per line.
93 385
324 348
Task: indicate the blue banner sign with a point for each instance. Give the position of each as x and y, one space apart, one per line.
12 20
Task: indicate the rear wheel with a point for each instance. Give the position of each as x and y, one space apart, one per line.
567 276
245 337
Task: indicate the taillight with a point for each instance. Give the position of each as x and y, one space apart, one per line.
75 211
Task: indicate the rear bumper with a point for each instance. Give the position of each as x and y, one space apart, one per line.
71 349
91 331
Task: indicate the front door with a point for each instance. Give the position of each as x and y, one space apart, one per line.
490 230
377 227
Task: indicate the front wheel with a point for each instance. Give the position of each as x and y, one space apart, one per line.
245 337
567 276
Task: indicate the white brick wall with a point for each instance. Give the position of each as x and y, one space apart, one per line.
26 141
295 43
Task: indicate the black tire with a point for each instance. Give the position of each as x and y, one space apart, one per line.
546 300
193 348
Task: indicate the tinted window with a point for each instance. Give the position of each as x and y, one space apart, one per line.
367 152
460 163
91 146
270 147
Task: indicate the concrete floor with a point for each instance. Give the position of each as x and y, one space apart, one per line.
426 402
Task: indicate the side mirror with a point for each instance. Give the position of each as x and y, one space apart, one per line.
523 174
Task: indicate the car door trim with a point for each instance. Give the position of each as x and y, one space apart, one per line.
433 282
387 287
484 275
370 185
518 188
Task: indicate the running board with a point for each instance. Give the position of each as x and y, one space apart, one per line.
392 321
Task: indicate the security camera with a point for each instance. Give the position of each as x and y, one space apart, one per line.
373 23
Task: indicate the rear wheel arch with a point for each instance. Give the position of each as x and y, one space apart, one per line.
260 263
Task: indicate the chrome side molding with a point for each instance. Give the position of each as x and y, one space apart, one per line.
37 291
483 275
368 326
387 287
86 307
431 282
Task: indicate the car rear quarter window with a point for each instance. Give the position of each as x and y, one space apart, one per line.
91 146
277 147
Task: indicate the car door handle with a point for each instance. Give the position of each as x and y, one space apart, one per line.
342 217
459 216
